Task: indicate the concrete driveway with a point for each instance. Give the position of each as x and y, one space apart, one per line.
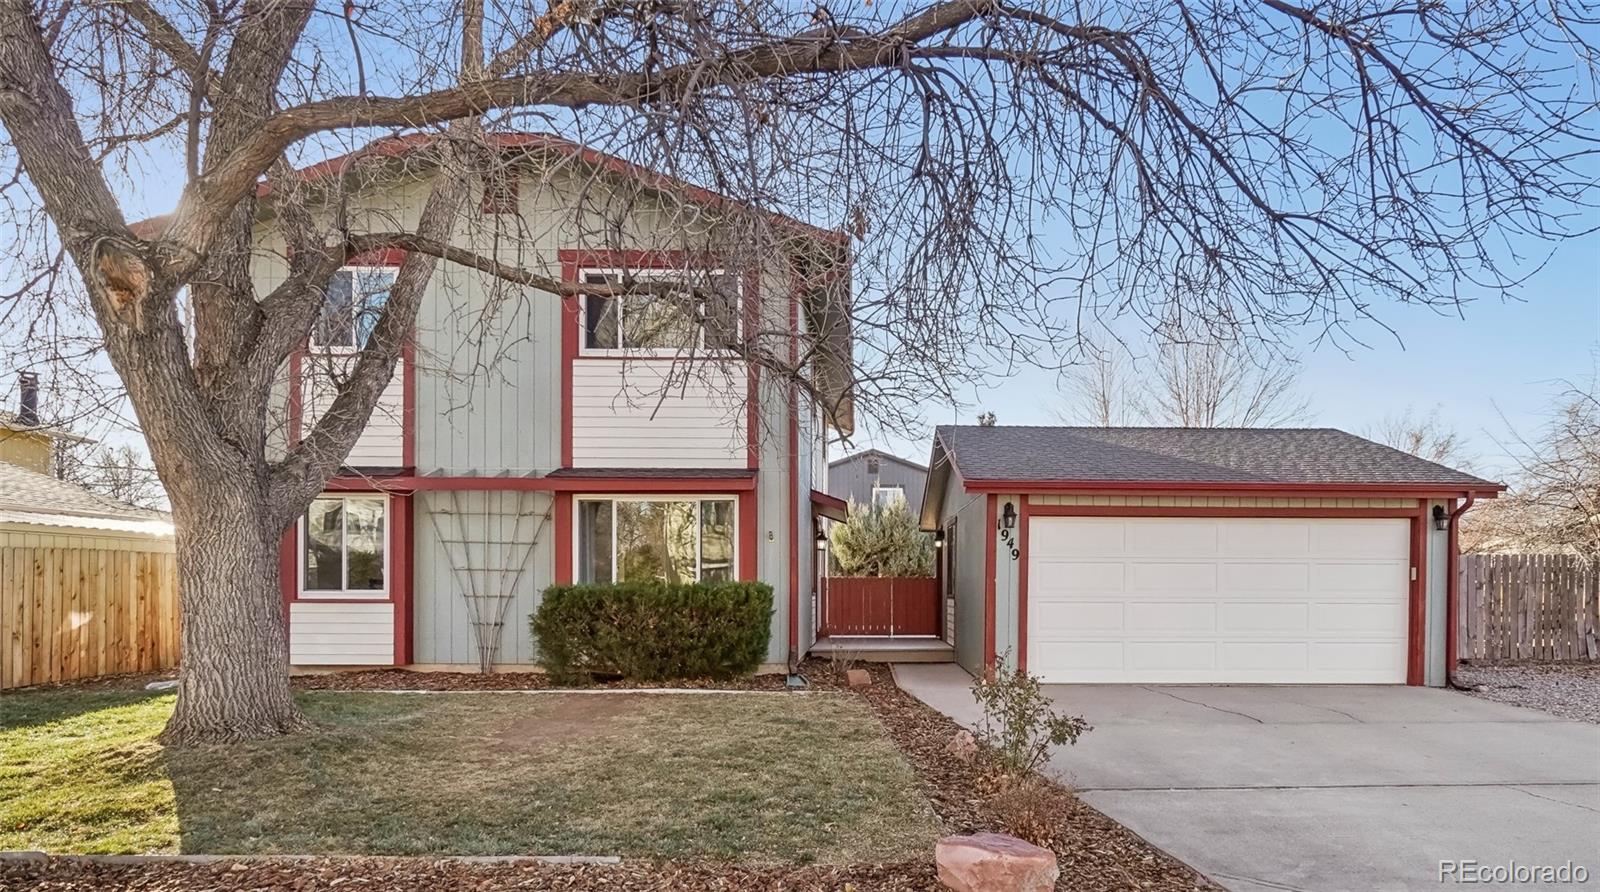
1323 787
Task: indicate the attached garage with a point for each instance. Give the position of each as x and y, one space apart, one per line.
1214 599
1204 556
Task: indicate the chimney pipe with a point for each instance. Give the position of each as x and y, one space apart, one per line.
28 405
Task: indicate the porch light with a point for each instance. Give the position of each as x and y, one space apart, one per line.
822 534
938 538
1441 520
1008 517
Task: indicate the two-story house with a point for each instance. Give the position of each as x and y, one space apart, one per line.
530 438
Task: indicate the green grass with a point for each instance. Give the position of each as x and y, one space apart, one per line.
754 778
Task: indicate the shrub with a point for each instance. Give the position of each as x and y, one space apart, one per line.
881 541
1020 723
653 631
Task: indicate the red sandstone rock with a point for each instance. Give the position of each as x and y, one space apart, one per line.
993 862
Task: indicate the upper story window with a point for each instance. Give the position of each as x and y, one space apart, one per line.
704 316
342 546
887 496
354 299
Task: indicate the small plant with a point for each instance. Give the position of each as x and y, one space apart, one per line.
1020 723
1030 808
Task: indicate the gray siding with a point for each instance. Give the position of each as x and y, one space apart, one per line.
968 510
1005 584
849 479
1436 597
443 628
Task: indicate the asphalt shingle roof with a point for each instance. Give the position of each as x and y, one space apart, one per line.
22 490
1187 455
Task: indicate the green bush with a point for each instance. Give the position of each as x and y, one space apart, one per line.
878 540
653 631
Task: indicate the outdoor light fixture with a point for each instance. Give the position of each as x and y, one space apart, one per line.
1008 517
1441 520
938 538
822 534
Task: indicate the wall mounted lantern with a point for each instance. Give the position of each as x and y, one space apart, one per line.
1441 520
1008 517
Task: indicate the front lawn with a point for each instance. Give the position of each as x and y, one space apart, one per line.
765 778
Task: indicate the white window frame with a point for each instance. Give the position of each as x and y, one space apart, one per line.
345 594
699 348
348 349
697 499
892 487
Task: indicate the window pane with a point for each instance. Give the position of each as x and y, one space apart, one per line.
716 541
641 542
371 293
594 541
364 543
722 312
656 321
679 526
324 537
599 316
335 325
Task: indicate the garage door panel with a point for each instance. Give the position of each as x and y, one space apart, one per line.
1269 617
1353 578
1171 616
1090 536
1361 540
1164 537
1150 576
1057 576
1261 576
1247 539
1218 600
1379 618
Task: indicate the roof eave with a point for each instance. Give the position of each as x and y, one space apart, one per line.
1481 489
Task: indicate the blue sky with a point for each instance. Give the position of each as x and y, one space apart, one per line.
1497 357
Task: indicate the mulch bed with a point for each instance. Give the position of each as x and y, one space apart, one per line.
1095 852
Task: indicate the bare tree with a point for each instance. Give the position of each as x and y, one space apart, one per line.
1186 384
1425 436
1239 166
1554 498
119 472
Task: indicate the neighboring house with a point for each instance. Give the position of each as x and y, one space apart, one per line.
1172 555
88 585
557 439
874 477
26 442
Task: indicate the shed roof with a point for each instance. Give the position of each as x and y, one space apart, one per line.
30 497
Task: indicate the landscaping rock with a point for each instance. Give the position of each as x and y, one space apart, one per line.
992 862
963 746
163 685
858 678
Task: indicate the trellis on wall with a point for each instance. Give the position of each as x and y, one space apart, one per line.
488 545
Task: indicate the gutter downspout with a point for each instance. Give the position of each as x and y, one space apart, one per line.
1453 590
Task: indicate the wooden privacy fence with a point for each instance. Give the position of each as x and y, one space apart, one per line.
880 605
1528 607
73 612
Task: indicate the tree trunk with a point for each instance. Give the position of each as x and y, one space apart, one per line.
233 681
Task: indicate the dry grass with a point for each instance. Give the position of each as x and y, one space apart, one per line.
761 778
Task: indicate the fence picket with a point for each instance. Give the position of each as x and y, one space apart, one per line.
1542 607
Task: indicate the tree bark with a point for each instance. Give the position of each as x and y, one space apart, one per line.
233 682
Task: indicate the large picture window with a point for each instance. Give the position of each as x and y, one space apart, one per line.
342 551
353 300
651 322
672 540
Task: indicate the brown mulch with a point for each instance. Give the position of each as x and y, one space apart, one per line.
1095 852
408 680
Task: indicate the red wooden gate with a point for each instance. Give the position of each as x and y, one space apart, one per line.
873 605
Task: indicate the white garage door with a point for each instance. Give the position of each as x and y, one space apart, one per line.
1249 600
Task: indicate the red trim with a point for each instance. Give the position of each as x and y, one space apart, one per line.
1226 488
377 257
317 599
1452 588
1154 511
401 587
501 190
408 402
569 352
991 530
563 515
794 495
1023 512
297 395
748 546
411 483
831 507
1419 616
289 567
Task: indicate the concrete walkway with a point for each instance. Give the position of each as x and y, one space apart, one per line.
1323 787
